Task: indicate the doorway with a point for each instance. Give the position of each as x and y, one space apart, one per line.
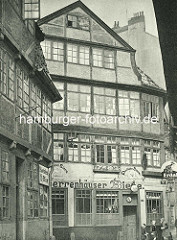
129 222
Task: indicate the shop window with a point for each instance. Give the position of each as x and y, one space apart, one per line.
31 9
5 166
5 202
79 98
78 22
129 103
59 147
59 207
44 199
104 101
105 150
154 206
107 202
83 207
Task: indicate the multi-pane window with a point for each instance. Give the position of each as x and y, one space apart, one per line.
129 103
83 201
33 204
84 55
103 58
147 151
20 87
44 199
78 22
38 101
5 201
33 175
73 148
31 9
107 202
79 147
98 57
5 166
125 151
58 201
26 92
33 184
58 146
47 49
136 152
60 104
105 150
150 106
152 151
154 206
104 101
85 148
58 51
79 98
72 53
7 74
33 107
53 50
108 59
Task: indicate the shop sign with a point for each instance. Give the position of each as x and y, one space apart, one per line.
169 169
113 184
43 175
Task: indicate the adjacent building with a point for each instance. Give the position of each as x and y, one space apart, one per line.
26 92
148 52
107 178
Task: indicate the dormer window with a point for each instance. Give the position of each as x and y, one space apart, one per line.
32 9
78 22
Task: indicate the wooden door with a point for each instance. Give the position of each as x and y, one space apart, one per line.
129 223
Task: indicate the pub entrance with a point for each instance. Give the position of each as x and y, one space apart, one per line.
129 222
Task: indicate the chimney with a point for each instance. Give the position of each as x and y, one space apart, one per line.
137 17
116 25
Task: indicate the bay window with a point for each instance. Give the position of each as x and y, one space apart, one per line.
150 106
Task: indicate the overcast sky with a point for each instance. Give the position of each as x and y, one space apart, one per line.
109 10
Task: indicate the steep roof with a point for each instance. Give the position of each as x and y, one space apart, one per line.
77 4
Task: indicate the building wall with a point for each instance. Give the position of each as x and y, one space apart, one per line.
92 157
25 147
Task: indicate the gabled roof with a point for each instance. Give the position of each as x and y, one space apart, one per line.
77 4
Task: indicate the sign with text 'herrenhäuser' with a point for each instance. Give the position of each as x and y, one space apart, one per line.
43 175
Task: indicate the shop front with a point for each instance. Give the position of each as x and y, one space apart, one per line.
96 210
